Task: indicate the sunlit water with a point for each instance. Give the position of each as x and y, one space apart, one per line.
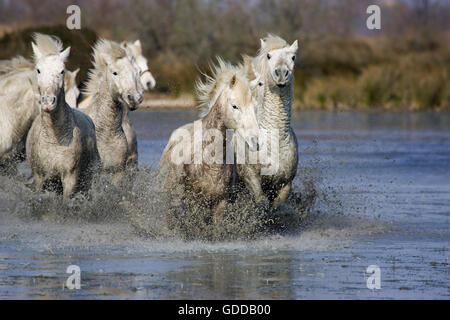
383 198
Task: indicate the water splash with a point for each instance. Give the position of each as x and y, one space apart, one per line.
143 206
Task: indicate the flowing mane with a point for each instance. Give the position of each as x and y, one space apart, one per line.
208 90
47 45
271 42
101 49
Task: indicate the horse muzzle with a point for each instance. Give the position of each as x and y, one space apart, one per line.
134 101
48 103
147 80
281 77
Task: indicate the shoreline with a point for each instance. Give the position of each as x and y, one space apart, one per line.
187 101
153 101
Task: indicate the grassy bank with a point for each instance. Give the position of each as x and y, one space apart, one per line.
398 74
345 74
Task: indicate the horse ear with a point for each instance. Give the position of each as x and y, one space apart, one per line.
233 81
138 46
65 54
294 46
37 53
74 73
248 67
263 43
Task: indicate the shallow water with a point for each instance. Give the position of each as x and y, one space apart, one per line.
383 198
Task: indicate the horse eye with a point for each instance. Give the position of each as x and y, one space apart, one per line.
260 84
38 71
115 73
62 72
293 58
269 56
235 106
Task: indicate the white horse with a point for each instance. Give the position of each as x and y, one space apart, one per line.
274 64
227 104
113 85
61 145
134 52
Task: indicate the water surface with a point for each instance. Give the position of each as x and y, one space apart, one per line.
383 183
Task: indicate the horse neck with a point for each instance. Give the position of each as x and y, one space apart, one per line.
107 112
58 125
276 109
215 120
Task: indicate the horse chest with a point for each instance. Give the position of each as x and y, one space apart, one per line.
112 150
282 163
55 158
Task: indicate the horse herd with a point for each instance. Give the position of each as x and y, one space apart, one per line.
66 143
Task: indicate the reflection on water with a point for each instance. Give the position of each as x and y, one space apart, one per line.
383 183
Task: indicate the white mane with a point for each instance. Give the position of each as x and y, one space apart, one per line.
271 42
47 45
209 90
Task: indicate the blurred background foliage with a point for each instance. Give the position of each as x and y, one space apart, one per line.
341 65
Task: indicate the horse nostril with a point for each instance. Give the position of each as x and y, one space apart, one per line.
277 72
287 73
140 98
53 100
130 97
149 84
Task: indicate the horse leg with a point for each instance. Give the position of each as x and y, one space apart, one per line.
283 194
38 182
253 182
69 182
